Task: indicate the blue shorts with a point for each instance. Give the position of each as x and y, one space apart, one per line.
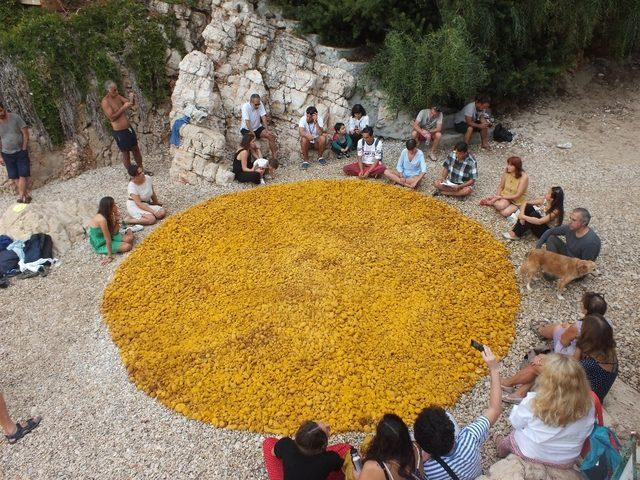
17 164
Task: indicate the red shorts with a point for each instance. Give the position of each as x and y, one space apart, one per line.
353 169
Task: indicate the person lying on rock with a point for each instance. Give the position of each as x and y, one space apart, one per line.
254 120
370 155
312 135
14 141
115 107
581 241
411 167
245 167
104 231
143 207
475 117
459 173
427 127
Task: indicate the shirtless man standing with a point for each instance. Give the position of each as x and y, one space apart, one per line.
115 107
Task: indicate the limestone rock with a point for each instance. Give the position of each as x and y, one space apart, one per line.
224 177
63 220
513 468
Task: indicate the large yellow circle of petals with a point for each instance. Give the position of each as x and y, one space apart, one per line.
332 300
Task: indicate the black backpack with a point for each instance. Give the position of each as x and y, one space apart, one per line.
501 134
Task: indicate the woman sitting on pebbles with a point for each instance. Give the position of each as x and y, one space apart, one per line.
565 335
411 167
391 455
552 423
596 352
306 456
104 235
597 356
539 215
245 166
143 206
511 190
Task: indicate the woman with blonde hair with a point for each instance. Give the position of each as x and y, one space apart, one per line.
551 424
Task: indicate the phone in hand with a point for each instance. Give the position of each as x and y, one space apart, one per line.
477 346
355 458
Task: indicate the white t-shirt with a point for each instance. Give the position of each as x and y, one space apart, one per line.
360 124
144 191
540 441
469 110
370 153
311 127
253 115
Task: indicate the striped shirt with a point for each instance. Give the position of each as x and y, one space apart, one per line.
465 458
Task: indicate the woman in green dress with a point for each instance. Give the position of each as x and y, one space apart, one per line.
104 235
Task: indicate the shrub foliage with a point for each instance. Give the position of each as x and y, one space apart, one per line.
51 49
439 51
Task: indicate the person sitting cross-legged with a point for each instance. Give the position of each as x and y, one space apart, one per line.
459 173
369 162
581 241
435 433
411 167
143 206
427 127
512 189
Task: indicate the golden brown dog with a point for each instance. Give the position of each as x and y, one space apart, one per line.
565 268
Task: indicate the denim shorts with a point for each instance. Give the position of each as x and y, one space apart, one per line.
17 164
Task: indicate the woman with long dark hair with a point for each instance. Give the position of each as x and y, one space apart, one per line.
104 235
596 352
539 215
244 166
392 455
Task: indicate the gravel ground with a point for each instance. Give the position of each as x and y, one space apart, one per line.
57 359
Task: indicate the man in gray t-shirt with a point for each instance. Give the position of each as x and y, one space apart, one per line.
581 241
474 117
427 127
14 140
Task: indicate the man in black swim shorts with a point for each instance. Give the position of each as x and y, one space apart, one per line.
115 107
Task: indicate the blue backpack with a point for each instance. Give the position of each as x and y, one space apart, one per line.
602 457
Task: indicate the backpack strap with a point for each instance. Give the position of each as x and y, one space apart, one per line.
598 407
385 469
446 467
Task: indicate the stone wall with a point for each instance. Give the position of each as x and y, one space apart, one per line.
246 52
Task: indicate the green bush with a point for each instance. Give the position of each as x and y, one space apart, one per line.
51 49
511 48
439 67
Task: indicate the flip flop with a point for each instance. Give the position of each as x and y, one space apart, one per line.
507 389
22 430
148 172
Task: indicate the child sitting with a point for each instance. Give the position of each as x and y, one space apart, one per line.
341 141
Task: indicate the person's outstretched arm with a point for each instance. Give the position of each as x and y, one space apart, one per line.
495 395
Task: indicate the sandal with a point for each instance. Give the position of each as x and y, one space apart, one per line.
21 430
506 389
148 172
